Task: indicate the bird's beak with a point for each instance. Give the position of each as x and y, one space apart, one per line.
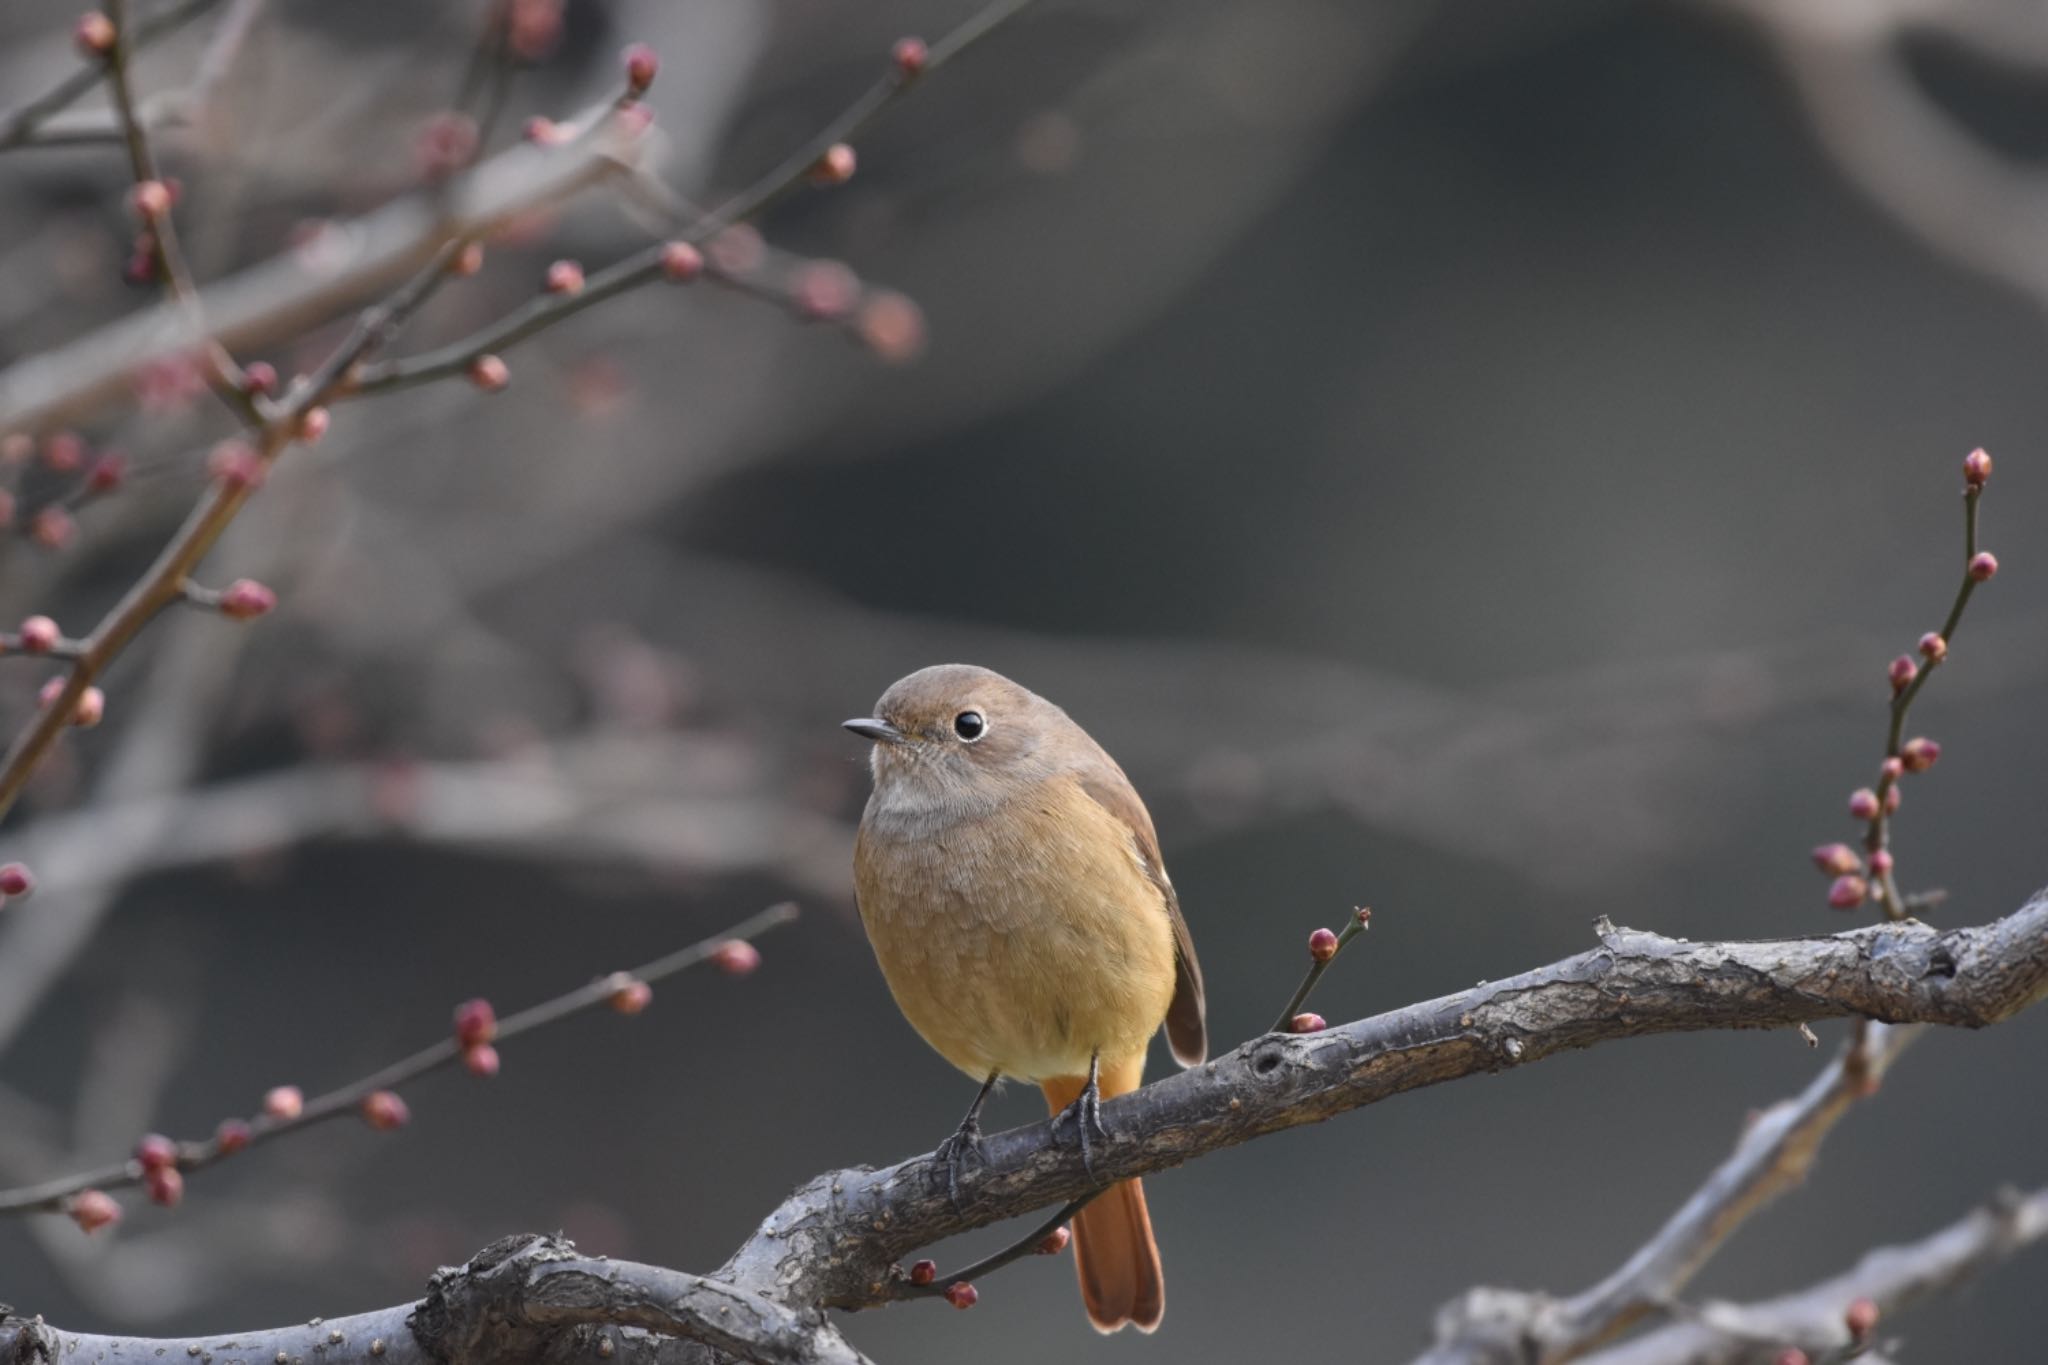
880 731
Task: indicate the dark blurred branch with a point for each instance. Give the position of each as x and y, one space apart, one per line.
1510 1327
56 1195
1893 1278
19 126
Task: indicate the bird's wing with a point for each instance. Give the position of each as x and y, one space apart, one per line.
1187 1029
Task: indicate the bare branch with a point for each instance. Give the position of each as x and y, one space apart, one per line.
19 127
1485 1325
1894 1278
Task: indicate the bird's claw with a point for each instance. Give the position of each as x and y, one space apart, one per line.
1085 1114
957 1151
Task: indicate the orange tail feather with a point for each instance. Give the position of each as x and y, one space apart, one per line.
1114 1252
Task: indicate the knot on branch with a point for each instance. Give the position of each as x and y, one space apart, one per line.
1488 1326
482 1304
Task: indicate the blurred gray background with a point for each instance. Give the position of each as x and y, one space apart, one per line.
1473 460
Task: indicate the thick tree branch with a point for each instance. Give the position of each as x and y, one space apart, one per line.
836 1240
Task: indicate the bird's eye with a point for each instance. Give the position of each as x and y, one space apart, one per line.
970 726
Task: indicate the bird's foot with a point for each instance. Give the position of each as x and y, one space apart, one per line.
957 1151
1085 1114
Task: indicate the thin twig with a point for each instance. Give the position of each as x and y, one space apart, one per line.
646 266
196 1155
18 126
901 1286
1361 920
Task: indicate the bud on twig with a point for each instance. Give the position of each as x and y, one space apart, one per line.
149 200
231 1136
1307 1023
475 1022
490 373
736 957
1863 804
94 34
1983 566
564 277
924 1272
1881 862
166 1185
1903 671
1933 647
1918 754
1054 1242
384 1110
1861 1319
1322 945
962 1294
481 1059
835 166
245 599
681 262
1837 860
16 880
39 635
154 1150
910 56
642 65
1848 892
284 1103
93 1210
629 994
1977 468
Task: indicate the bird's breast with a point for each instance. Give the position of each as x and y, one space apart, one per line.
1019 939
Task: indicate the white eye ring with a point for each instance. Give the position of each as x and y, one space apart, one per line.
970 726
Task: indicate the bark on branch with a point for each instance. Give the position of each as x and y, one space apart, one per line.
835 1242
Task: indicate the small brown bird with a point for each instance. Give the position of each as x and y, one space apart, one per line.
1011 884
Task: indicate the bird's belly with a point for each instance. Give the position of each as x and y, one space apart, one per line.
1026 960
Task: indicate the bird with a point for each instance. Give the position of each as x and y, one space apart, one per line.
1011 885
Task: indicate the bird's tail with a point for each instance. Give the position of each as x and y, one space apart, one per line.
1114 1253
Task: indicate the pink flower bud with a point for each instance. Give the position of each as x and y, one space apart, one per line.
738 250
1837 860
93 1210
245 599
166 1186
154 1150
490 373
836 166
1322 945
1363 914
823 291
1881 863
1977 468
962 1294
91 708
564 277
446 143
236 464
52 528
384 1110
681 262
1983 566
1903 671
475 1022
910 56
94 36
641 65
1307 1023
1892 768
259 377
1861 1319
924 1272
107 473
63 452
149 200
736 957
39 635
1933 647
313 424
1892 797
1863 804
1848 892
891 326
1919 754
1054 1242
629 994
231 1136
284 1103
16 880
481 1059
543 132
